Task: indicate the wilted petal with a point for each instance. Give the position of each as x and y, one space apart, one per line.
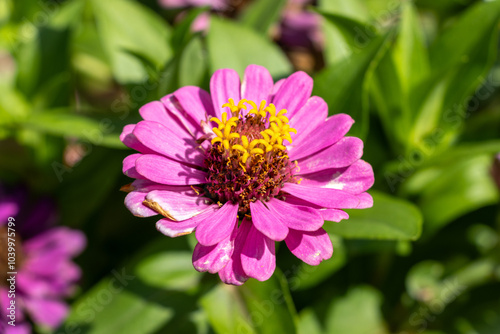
179 205
178 228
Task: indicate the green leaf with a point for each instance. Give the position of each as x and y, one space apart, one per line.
256 307
410 54
308 323
390 218
182 33
337 47
262 14
193 64
124 303
43 68
449 191
226 311
234 46
110 307
358 312
93 132
400 69
440 101
128 28
172 270
349 77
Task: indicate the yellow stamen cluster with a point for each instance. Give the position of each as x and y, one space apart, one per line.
277 129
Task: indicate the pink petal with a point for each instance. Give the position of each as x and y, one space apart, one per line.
214 258
365 201
140 188
129 166
127 137
224 84
310 247
267 222
257 83
294 93
176 229
156 111
196 102
20 328
275 89
233 272
296 217
218 226
309 117
61 240
166 171
341 154
325 135
162 140
326 198
334 215
180 205
354 179
47 312
133 202
185 122
258 255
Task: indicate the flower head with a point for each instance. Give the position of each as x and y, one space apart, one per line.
45 272
249 164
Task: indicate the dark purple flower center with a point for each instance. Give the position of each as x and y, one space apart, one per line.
247 160
6 251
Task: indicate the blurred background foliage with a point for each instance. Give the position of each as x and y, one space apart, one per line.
420 78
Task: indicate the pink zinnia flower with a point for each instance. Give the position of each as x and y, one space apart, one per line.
45 272
249 164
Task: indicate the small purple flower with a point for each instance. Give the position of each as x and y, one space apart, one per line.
215 4
300 28
229 165
45 272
